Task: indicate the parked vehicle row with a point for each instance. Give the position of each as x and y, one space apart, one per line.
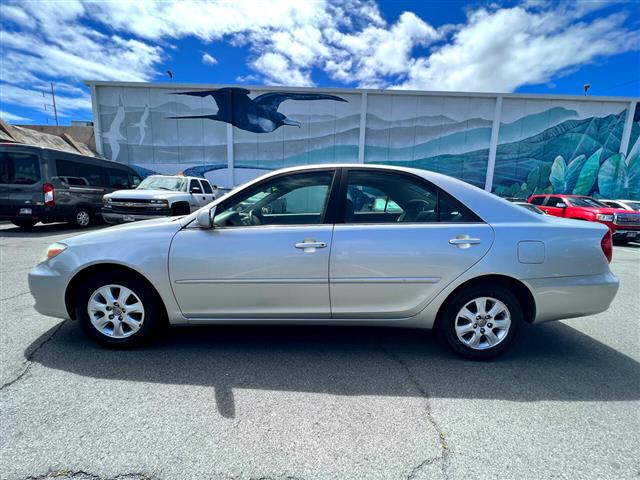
335 244
624 224
45 185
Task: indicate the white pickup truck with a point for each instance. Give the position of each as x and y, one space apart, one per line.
157 196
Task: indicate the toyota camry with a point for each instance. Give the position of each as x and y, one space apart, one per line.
335 244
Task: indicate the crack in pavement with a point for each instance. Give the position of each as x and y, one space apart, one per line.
29 357
14 296
82 475
444 446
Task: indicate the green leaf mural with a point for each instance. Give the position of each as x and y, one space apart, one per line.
613 180
558 170
588 174
633 175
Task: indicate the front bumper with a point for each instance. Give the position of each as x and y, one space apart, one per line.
569 297
626 233
48 288
112 217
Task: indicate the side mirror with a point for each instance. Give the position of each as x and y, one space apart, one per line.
195 190
204 218
561 205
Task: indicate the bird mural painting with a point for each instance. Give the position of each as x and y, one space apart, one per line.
114 135
259 114
142 124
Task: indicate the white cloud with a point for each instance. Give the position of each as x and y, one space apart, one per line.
10 117
496 48
37 99
208 59
278 70
503 49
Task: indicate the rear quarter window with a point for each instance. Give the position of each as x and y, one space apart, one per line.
537 200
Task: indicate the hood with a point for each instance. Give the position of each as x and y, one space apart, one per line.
604 210
143 194
128 232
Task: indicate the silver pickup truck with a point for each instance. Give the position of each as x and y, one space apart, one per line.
157 196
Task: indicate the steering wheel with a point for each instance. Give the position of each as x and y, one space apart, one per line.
255 217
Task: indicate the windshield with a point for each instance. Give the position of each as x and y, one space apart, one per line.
162 183
634 205
586 202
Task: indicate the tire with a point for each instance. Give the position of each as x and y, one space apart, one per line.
24 222
82 217
139 324
451 323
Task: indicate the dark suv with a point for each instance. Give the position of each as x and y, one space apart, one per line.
44 185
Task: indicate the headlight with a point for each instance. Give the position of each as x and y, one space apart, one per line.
53 250
604 218
164 203
106 200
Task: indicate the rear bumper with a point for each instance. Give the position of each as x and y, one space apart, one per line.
569 297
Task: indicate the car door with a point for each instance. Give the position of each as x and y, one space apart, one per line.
390 263
198 198
208 192
24 188
555 206
258 262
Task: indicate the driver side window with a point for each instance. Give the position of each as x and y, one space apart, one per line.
299 199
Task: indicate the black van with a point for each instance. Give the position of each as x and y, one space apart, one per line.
45 185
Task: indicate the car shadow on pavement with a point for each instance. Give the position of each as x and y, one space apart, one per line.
11 231
549 362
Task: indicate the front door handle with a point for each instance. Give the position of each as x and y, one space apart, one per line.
309 246
464 241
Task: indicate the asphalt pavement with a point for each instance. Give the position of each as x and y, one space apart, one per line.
314 402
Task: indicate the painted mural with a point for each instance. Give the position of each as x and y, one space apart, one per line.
544 145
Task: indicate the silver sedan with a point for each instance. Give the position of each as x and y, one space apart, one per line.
335 244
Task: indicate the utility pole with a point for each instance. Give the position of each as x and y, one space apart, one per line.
53 98
55 110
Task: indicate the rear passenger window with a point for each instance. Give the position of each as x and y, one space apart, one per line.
94 175
537 200
117 178
382 197
206 186
19 168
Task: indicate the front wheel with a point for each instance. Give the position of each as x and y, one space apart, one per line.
118 312
481 322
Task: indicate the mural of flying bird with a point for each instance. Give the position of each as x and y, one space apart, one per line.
258 115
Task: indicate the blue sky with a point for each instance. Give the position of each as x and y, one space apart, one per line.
532 46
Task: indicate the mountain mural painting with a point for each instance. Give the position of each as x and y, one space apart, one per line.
564 145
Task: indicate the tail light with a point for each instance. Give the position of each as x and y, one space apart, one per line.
607 245
48 191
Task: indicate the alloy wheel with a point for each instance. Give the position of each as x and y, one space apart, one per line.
115 311
483 323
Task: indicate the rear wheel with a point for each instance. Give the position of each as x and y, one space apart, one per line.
118 312
82 217
481 322
24 222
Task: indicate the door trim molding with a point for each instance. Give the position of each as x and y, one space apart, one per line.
385 280
253 281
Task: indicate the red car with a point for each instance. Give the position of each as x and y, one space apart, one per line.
624 225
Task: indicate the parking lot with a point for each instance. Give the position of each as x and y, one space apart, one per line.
314 403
